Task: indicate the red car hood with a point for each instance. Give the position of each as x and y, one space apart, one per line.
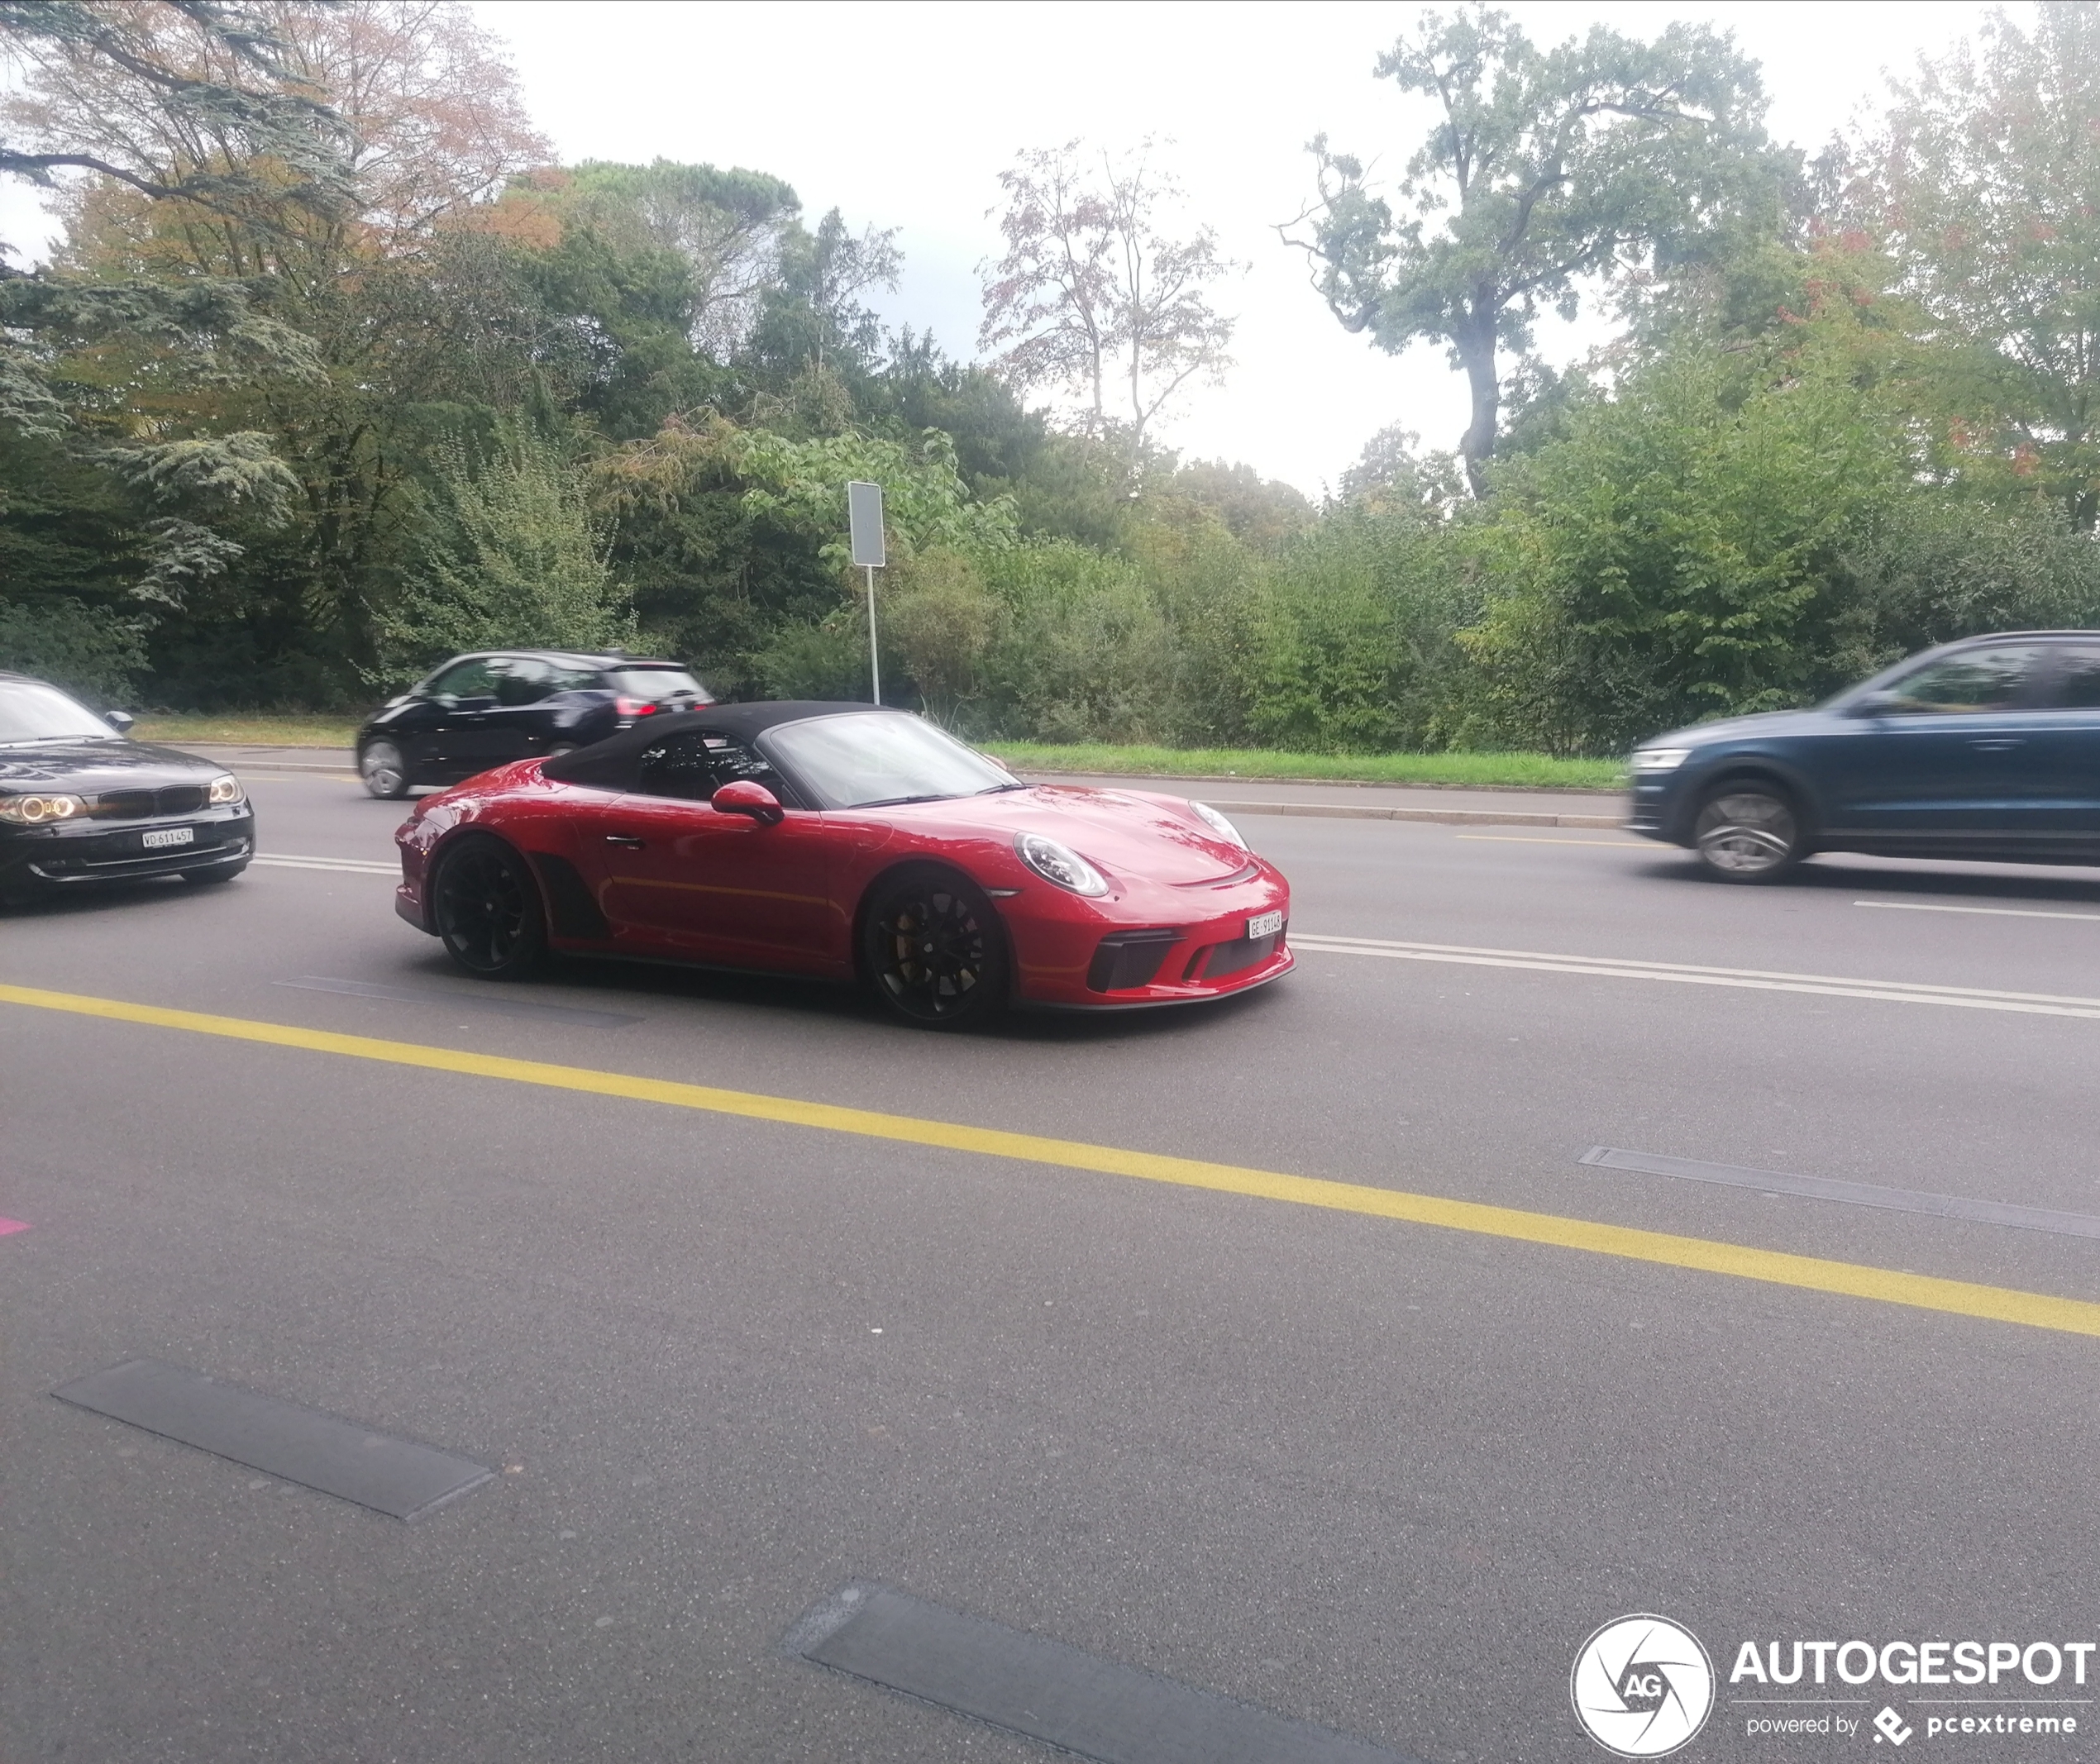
1126 833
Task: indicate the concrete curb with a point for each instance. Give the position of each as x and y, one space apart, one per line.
1452 816
340 768
1242 779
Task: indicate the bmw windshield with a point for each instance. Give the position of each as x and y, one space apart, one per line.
30 711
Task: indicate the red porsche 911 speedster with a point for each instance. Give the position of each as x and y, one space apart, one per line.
843 841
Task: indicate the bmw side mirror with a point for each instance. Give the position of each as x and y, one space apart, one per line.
120 721
743 797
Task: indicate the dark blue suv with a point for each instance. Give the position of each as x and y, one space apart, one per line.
1987 748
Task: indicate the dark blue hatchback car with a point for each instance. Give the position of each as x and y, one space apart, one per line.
1988 748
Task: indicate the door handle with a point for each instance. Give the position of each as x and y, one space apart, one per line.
624 839
2002 746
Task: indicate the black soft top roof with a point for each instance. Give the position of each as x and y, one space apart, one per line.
613 763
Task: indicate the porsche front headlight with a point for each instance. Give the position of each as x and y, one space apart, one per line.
1060 863
1219 825
37 810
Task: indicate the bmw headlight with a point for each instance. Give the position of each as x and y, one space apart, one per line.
35 810
1659 759
1219 824
226 788
1060 863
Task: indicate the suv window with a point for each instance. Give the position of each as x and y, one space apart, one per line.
693 764
2077 685
473 678
1977 679
656 684
522 680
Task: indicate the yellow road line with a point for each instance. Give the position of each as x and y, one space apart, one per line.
1850 1279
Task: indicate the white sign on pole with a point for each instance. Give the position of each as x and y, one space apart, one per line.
864 521
864 515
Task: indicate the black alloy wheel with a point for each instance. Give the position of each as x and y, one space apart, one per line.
385 773
488 909
935 950
1749 831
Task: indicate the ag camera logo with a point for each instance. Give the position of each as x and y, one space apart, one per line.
1642 1687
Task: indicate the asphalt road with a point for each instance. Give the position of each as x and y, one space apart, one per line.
1376 1475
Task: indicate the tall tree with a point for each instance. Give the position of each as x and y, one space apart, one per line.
727 228
1545 168
426 124
1095 287
105 368
213 75
1988 183
814 316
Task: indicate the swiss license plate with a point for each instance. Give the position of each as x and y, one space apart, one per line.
1265 925
161 837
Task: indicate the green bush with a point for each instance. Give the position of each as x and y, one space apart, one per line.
93 654
509 555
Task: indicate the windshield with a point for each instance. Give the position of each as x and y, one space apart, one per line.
858 761
30 711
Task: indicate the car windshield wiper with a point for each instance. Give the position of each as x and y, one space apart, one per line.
892 802
993 789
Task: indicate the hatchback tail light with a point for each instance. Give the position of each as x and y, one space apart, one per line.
628 707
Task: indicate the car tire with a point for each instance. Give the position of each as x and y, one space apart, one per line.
486 907
213 875
1748 831
932 949
384 772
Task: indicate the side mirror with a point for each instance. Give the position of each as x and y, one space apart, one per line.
1874 704
120 721
743 797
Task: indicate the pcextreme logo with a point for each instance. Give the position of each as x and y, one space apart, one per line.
1642 1687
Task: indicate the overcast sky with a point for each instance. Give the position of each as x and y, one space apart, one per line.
904 115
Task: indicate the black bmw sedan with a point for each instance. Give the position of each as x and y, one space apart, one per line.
82 803
483 710
1987 748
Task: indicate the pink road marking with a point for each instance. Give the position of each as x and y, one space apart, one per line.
10 1225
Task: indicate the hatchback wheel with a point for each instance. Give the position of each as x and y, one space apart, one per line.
385 773
488 909
935 950
1749 832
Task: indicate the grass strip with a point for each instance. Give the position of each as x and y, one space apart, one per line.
248 731
1534 771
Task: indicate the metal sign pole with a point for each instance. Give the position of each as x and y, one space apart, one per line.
875 661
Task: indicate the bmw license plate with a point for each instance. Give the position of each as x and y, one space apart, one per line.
1265 925
161 837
